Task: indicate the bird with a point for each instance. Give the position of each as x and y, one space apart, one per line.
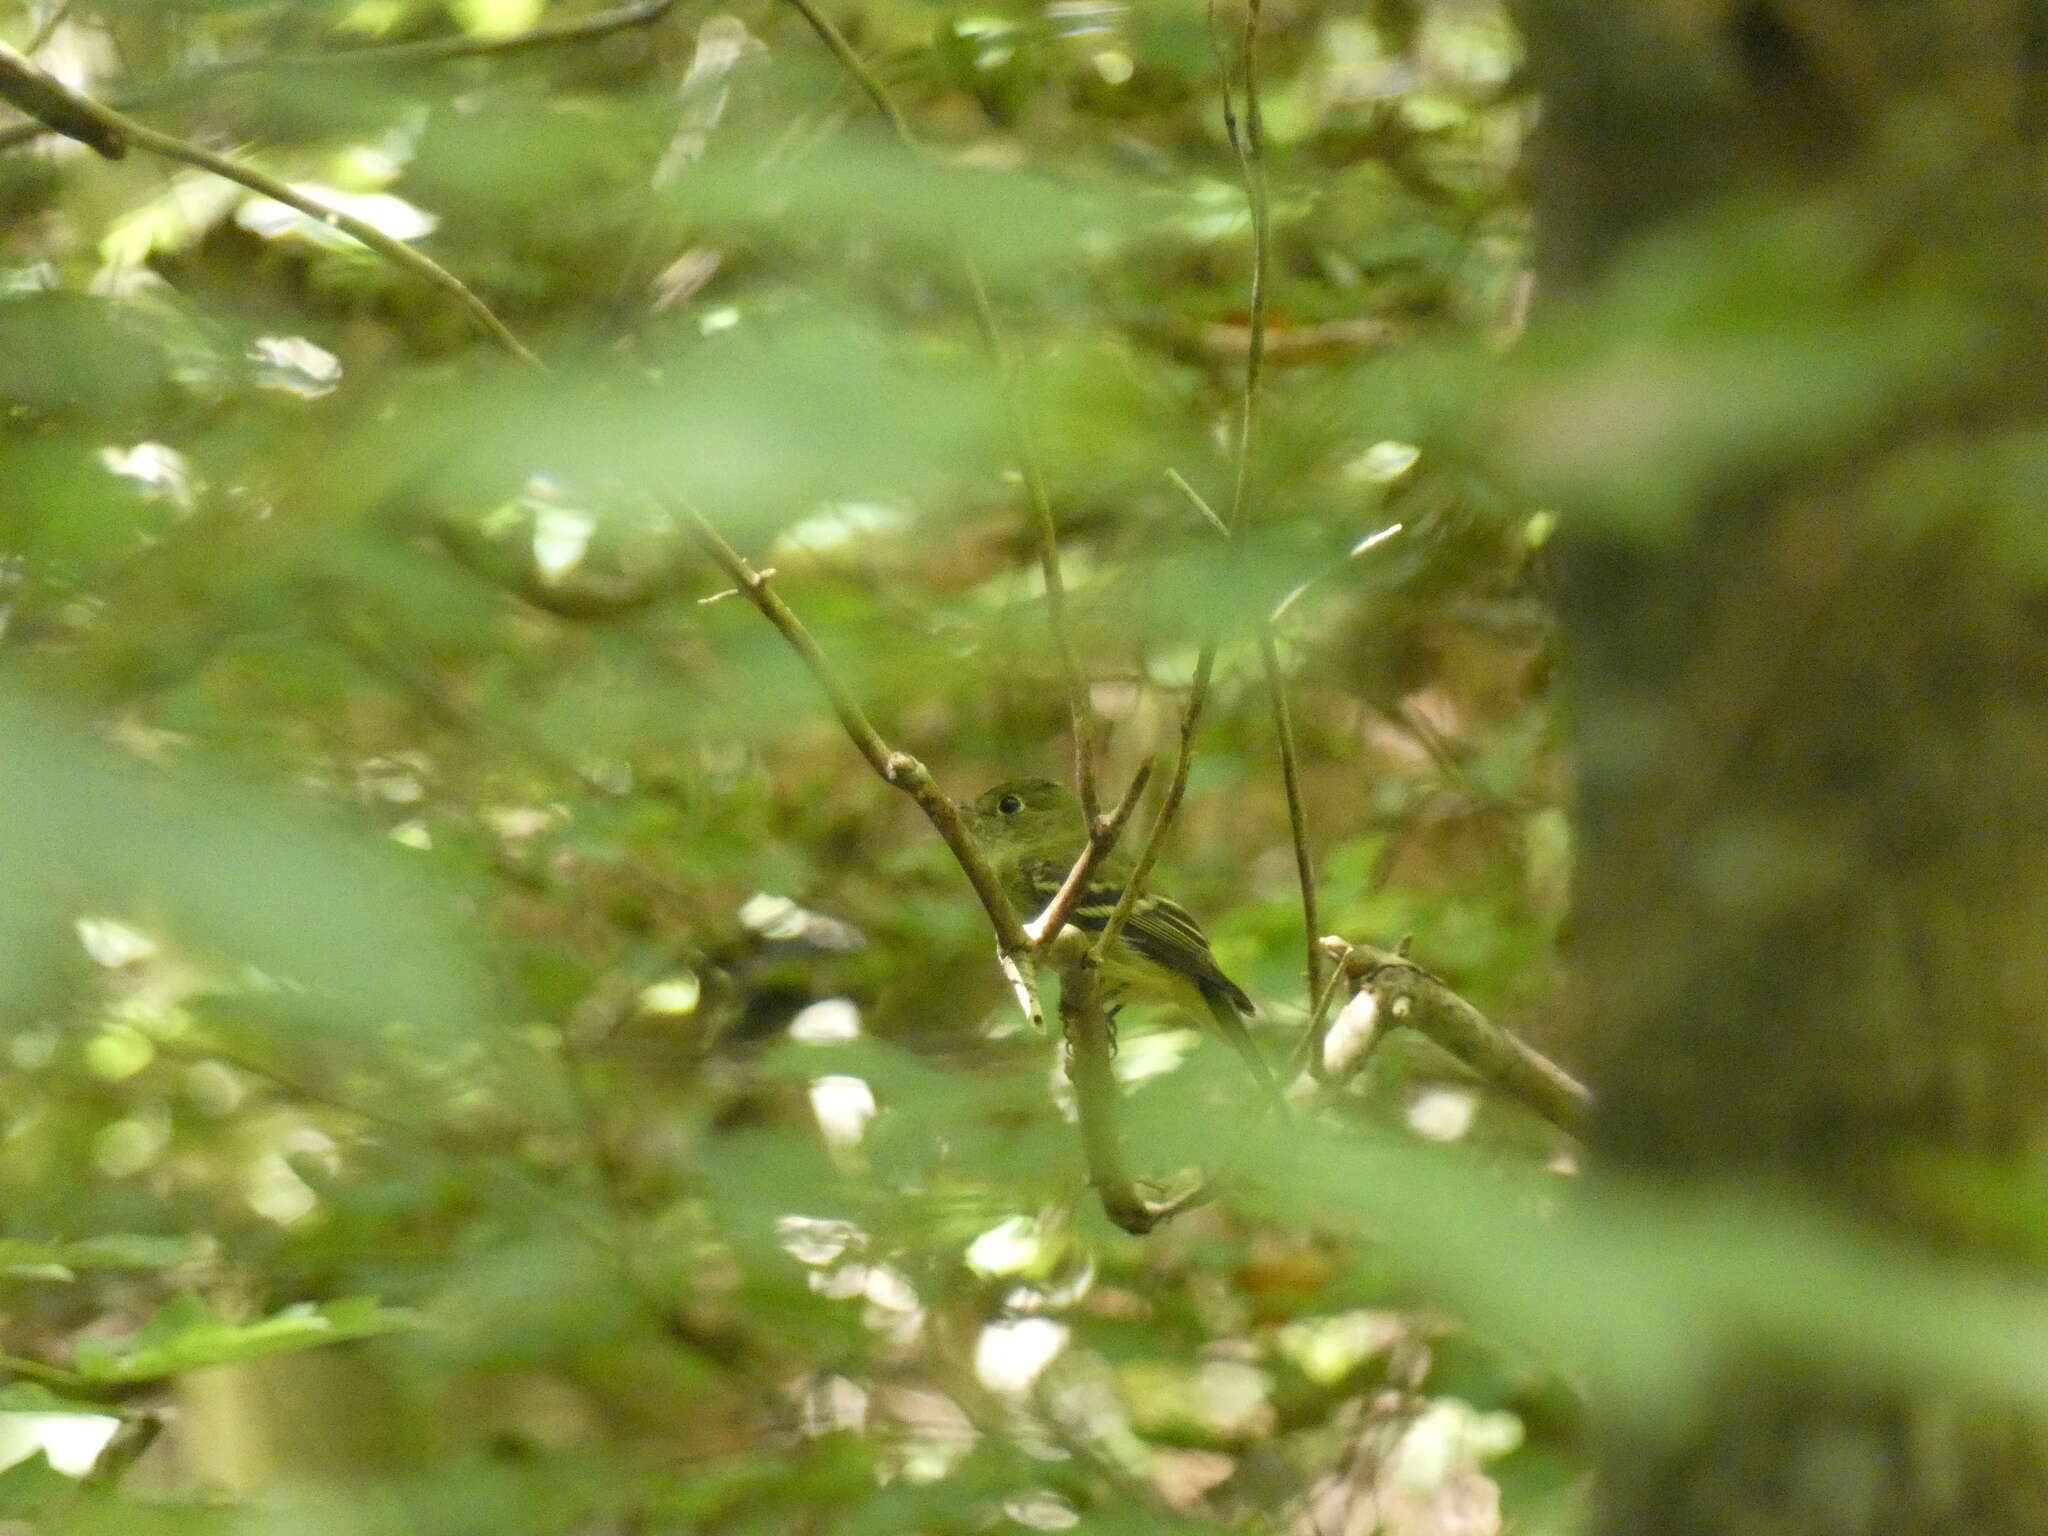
1031 831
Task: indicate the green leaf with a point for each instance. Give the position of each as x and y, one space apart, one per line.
29 1487
34 1397
185 1336
23 1259
311 905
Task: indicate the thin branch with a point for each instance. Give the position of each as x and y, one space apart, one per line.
1250 146
850 60
128 1445
111 132
431 50
1402 992
1102 840
1310 1047
46 29
1297 811
27 86
397 252
1091 1052
897 768
1199 502
1080 713
1155 838
1080 710
37 1370
1251 159
436 50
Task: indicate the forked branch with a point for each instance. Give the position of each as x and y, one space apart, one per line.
1389 990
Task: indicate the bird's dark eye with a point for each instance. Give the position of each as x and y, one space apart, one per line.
1009 805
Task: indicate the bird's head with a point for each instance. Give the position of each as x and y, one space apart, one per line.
1026 813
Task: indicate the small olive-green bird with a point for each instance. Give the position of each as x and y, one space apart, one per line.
1032 830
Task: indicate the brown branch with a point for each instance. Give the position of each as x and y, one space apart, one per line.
897 768
431 50
1103 834
397 252
1080 709
1402 992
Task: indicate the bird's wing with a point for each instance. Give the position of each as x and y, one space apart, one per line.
1159 928
1163 931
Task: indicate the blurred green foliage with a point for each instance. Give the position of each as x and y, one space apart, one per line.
441 928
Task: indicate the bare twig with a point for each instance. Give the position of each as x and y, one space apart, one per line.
850 60
436 50
1155 837
1199 502
26 85
898 768
1102 840
1309 1049
111 132
397 252
1080 710
1297 811
1251 158
1250 146
1404 993
431 50
47 28
37 1370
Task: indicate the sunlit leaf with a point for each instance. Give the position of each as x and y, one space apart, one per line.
187 1336
113 1251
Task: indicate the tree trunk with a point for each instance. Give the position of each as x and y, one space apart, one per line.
1807 659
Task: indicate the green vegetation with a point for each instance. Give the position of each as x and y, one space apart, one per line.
493 1034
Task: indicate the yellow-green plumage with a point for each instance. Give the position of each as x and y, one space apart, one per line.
1032 830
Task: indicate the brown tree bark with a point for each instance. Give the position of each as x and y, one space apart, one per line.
1811 699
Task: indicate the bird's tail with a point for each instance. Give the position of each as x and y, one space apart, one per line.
1223 1008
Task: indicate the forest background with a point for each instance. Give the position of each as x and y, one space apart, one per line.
484 1051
